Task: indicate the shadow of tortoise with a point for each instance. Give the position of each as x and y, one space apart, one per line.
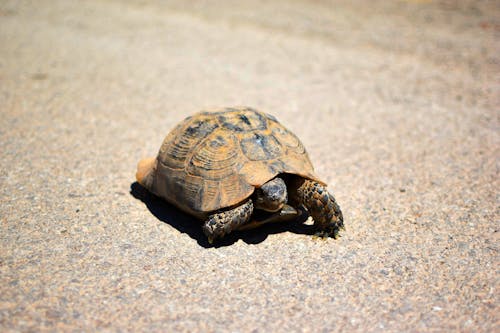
187 224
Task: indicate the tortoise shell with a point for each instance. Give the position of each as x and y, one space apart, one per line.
213 160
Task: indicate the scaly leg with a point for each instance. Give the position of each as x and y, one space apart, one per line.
219 224
321 206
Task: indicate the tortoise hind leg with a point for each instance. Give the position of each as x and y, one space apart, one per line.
321 205
219 224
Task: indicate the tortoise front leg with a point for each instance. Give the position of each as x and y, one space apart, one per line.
320 204
219 224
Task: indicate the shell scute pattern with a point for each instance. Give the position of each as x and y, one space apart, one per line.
287 138
178 145
214 160
243 120
260 146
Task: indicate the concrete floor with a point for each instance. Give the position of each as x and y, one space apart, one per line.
397 103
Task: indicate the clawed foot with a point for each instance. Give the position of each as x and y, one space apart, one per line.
322 207
332 231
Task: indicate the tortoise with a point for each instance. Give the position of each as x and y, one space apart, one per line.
223 165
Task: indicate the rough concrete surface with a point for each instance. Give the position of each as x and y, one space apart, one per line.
397 103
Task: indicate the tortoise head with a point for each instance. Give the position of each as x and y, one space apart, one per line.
271 196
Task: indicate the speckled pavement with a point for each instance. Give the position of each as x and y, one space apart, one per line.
397 103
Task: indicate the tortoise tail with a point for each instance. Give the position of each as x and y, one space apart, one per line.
145 169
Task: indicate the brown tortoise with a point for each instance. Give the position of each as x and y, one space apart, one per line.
219 166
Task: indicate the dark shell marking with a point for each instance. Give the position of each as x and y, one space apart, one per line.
214 160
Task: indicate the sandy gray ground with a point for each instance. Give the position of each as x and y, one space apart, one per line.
396 102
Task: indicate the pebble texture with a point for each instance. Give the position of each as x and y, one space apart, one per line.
396 102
